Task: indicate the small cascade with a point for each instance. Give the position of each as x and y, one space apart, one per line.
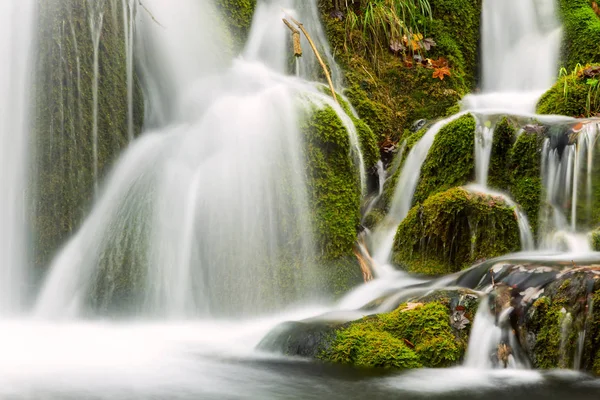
16 26
519 63
567 176
484 137
267 44
492 343
381 177
401 204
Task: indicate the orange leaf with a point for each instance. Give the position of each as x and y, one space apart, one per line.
440 62
441 72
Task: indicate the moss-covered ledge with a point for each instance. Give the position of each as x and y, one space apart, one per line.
334 192
581 33
388 95
452 230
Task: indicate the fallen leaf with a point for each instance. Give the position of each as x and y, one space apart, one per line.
396 46
441 72
440 62
428 43
411 306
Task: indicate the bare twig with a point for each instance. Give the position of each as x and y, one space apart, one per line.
314 48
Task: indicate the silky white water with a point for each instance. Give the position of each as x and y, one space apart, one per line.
520 47
207 214
16 24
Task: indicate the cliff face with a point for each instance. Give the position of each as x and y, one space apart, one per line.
79 131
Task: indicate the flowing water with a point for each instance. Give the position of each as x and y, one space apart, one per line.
16 24
197 212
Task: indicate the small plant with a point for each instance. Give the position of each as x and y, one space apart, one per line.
377 26
590 76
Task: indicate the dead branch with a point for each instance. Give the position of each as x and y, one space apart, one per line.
314 48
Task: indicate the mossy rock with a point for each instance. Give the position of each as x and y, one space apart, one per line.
453 229
552 326
570 96
334 192
404 338
62 176
581 43
238 17
505 134
453 146
450 161
524 172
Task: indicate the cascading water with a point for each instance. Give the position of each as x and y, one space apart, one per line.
519 51
197 217
16 26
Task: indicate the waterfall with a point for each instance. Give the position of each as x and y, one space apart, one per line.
16 23
206 214
520 42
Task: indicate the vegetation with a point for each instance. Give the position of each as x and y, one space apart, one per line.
393 89
238 16
576 94
334 192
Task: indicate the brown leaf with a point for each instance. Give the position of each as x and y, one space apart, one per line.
440 62
441 72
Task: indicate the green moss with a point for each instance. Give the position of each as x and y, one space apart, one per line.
455 28
238 16
525 176
450 160
555 321
581 33
62 179
453 229
404 338
334 196
548 339
573 103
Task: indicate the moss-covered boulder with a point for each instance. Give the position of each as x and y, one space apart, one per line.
581 33
574 95
524 174
453 229
505 135
63 160
428 331
238 17
562 327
